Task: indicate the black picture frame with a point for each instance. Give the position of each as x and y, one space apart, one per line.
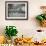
16 10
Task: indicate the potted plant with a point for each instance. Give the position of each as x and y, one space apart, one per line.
10 31
42 17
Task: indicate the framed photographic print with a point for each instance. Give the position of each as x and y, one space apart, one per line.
16 10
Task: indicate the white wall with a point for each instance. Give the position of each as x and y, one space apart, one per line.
25 27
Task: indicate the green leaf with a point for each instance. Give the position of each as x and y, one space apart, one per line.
45 16
40 18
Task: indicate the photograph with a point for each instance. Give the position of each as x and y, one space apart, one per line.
16 10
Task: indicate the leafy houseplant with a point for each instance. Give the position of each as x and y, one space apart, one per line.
11 31
42 19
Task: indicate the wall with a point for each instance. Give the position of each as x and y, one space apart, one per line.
25 27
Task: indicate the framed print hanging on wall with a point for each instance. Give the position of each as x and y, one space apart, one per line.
16 10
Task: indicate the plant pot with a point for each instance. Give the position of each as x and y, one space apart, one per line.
43 23
13 38
8 41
